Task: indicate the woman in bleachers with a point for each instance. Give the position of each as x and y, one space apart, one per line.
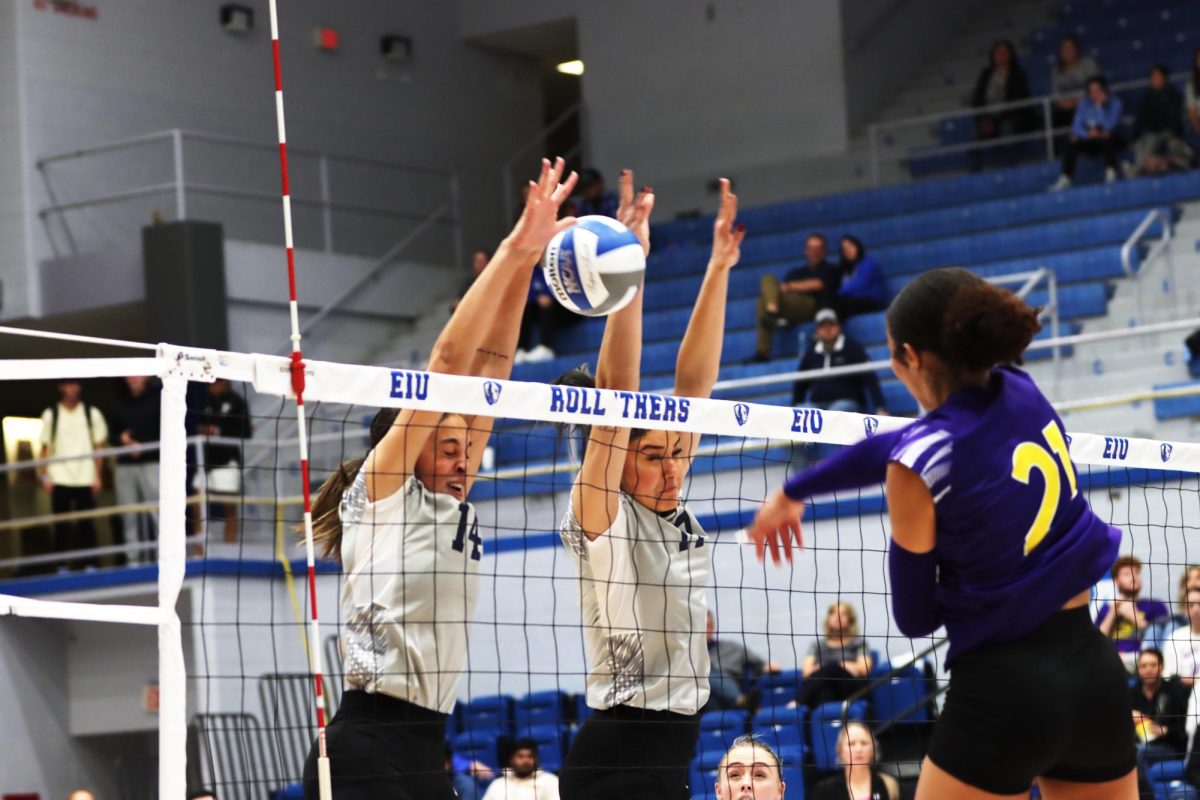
1001 81
1192 94
1068 80
863 288
858 753
750 768
1158 144
644 561
838 663
1094 131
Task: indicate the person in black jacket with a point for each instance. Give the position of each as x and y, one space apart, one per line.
1001 81
1159 713
225 414
136 421
832 348
1158 144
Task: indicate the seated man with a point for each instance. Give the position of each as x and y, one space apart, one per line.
1159 713
832 348
730 665
1181 650
522 780
1158 144
1127 617
797 298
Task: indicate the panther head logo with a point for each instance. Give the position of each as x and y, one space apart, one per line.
491 392
1165 451
741 413
870 426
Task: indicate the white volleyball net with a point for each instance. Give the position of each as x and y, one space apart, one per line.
232 658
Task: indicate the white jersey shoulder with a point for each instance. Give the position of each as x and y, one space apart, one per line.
643 595
411 564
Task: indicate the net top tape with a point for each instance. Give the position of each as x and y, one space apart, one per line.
381 387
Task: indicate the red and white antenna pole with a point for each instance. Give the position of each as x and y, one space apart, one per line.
297 366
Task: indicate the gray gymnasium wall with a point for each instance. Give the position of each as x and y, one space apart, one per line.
13 273
142 66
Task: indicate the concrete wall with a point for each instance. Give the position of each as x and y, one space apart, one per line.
143 66
13 222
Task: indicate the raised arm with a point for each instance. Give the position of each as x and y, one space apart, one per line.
595 498
481 322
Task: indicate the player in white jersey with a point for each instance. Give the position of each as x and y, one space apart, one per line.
644 562
409 544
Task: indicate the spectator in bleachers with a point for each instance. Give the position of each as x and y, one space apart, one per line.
1159 713
1192 93
72 428
459 770
479 260
797 298
863 288
226 415
838 663
1094 131
1158 144
858 753
1181 651
543 319
1160 631
136 421
1069 80
522 779
750 769
831 347
1127 617
731 664
593 197
1001 81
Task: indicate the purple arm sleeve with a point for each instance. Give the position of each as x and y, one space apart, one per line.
914 591
862 464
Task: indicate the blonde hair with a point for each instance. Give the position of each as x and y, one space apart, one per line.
851 618
844 739
1183 582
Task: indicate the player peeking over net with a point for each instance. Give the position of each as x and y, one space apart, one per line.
643 561
991 538
409 546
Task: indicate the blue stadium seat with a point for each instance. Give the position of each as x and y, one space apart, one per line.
1175 407
825 725
538 709
723 721
480 745
890 700
488 713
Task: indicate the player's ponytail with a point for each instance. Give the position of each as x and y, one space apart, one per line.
970 324
326 508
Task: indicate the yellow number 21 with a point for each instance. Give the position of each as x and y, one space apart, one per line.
1029 456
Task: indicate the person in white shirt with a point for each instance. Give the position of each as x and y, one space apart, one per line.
644 561
524 779
408 541
1181 651
72 428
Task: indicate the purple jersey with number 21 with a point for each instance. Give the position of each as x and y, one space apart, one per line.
1016 538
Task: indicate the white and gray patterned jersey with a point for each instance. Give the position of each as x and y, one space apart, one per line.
411 564
643 596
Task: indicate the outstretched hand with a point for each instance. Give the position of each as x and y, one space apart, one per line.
634 211
775 526
539 221
727 237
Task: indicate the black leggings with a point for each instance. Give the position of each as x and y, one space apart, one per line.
630 753
1107 148
381 748
832 683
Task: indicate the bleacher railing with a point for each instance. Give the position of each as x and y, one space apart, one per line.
1160 215
1042 106
377 200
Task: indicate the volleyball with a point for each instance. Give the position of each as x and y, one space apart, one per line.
595 267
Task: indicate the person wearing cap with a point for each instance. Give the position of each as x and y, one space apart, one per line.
831 347
795 299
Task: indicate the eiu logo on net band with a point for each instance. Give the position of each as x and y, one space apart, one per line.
741 412
1165 451
491 392
870 426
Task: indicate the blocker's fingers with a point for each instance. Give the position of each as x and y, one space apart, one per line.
786 535
564 223
756 536
555 175
625 187
773 541
545 171
565 188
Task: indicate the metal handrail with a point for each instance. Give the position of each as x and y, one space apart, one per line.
886 678
510 189
1140 231
1045 102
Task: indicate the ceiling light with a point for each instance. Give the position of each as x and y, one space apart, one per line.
571 67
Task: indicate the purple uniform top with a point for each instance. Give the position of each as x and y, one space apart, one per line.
1016 539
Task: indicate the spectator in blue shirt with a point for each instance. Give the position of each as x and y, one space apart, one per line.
544 318
593 198
832 348
1094 131
863 288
